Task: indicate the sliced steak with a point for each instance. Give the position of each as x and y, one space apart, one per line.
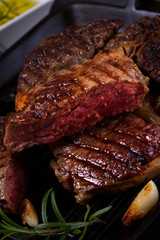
12 175
141 42
113 156
76 98
74 46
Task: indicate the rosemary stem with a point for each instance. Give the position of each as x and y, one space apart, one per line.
46 229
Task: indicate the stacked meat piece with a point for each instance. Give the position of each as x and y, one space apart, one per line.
113 156
13 180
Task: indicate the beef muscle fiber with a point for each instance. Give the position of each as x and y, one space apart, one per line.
12 175
76 98
113 156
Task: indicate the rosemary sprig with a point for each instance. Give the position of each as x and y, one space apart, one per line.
47 229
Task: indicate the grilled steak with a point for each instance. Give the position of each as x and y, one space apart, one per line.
148 56
113 156
140 41
76 98
74 46
12 176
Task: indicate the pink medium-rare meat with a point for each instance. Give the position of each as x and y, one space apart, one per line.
113 156
76 98
59 51
12 175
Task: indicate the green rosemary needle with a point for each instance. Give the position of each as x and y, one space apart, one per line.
47 229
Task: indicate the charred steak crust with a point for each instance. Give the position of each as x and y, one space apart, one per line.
141 42
12 175
74 46
148 56
115 155
76 98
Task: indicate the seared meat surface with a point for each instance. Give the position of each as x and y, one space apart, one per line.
76 98
74 46
12 175
148 56
141 42
115 155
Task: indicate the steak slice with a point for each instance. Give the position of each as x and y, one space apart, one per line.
76 98
12 175
141 42
74 46
113 156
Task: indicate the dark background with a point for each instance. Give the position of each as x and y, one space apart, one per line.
151 5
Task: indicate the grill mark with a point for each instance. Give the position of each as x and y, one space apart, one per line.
84 180
116 65
75 81
108 73
56 82
86 74
110 154
61 92
90 182
110 175
117 128
128 164
128 147
110 161
93 78
79 84
139 138
58 43
86 163
148 130
83 160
